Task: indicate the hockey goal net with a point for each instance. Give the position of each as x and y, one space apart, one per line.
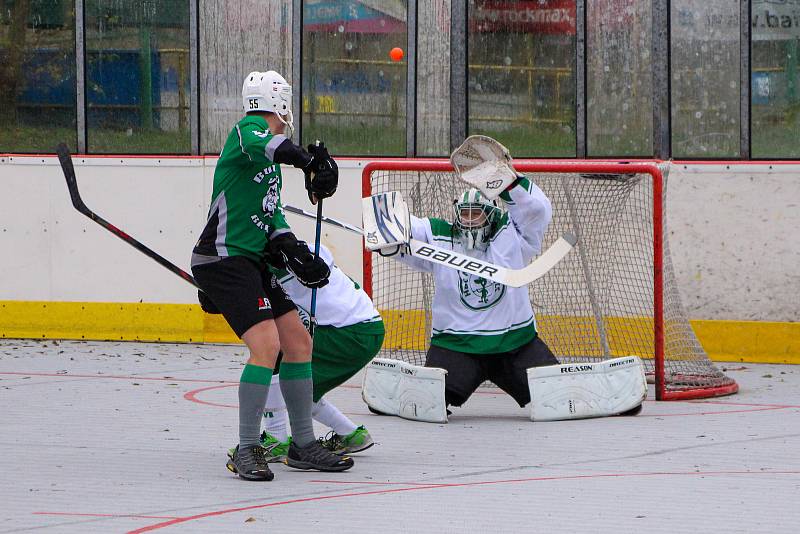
614 295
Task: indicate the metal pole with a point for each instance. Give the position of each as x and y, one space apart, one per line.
411 80
661 85
580 78
458 73
297 68
80 75
146 69
194 76
744 79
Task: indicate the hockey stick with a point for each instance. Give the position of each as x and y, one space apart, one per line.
510 277
313 309
461 262
327 220
72 184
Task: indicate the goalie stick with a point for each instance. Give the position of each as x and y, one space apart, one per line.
72 184
325 219
461 262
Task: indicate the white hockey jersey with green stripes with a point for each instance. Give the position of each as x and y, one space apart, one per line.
472 314
340 303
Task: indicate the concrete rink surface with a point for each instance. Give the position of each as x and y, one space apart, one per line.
131 437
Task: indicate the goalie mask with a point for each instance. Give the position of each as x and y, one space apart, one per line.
476 219
269 91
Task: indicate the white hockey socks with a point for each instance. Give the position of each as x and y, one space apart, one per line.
329 415
275 414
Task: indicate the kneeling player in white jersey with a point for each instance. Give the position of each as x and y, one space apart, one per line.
348 333
484 330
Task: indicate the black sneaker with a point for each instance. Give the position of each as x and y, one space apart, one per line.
315 456
250 463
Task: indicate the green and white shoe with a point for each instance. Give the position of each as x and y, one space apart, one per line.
274 449
356 441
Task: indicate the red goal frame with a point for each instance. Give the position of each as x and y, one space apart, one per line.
546 166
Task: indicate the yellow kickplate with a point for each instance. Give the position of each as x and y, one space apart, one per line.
739 341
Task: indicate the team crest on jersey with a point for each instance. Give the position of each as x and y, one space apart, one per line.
270 201
263 304
479 293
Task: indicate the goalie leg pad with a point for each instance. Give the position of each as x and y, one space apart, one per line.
398 388
582 390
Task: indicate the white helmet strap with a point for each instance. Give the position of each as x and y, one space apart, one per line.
289 122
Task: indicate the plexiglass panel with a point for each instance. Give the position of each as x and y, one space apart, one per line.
619 78
705 78
521 79
354 94
137 76
433 78
774 91
37 75
237 38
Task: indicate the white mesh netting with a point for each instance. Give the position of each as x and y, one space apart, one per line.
596 304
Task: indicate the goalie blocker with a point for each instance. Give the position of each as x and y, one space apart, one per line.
558 392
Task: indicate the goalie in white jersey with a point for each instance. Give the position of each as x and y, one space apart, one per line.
484 330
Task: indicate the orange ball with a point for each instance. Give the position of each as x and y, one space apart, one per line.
396 53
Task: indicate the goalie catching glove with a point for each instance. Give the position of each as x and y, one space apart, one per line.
321 172
484 164
286 251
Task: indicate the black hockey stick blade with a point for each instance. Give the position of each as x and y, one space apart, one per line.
72 184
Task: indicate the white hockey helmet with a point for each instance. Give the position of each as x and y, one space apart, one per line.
269 91
475 218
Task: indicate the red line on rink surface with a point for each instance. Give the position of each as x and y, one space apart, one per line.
192 396
719 412
126 377
215 513
108 515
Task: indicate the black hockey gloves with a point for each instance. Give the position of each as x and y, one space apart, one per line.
322 173
310 271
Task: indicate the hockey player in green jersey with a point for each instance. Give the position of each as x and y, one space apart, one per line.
246 225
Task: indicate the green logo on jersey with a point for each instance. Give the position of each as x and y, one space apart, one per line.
478 293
